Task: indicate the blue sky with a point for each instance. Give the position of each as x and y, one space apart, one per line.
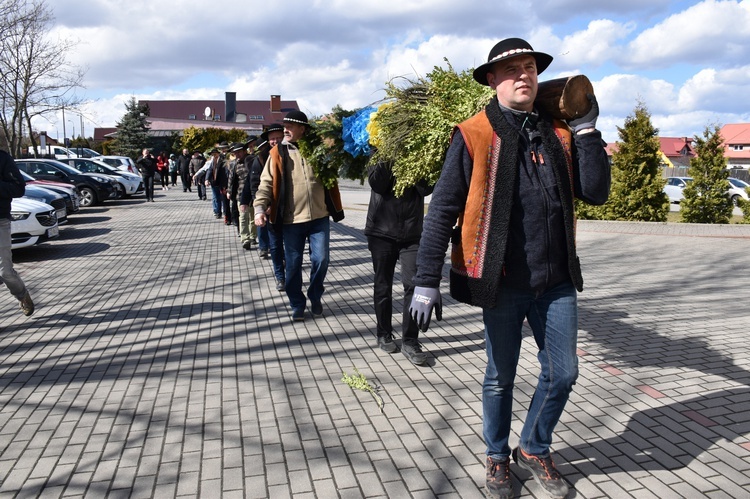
689 62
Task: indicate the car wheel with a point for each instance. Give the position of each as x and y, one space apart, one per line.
88 197
736 199
121 191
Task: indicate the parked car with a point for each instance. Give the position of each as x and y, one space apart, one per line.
57 152
129 183
94 188
31 223
68 192
675 185
52 198
121 163
737 190
84 152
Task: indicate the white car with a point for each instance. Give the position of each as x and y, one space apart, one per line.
31 223
121 163
737 189
128 183
675 185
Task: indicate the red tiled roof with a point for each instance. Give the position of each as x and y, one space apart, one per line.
183 109
737 134
173 115
676 146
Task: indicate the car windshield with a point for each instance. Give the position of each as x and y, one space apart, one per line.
107 169
738 183
66 168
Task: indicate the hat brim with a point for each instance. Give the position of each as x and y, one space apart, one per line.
542 62
299 122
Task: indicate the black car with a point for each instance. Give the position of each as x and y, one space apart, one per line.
52 198
94 188
69 192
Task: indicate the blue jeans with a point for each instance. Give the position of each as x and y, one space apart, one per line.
218 202
295 239
553 318
263 238
275 247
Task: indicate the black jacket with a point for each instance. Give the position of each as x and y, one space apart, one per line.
183 164
147 165
391 217
251 186
12 184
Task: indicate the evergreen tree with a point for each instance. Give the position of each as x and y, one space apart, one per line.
705 198
132 130
637 192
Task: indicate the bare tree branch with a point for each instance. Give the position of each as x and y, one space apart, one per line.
35 78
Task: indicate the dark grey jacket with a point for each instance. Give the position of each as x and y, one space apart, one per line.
391 217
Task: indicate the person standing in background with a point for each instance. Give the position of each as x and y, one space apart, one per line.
147 166
183 168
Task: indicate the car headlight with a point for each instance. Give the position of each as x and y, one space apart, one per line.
104 180
19 215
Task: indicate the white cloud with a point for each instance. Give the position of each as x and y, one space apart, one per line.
715 32
688 66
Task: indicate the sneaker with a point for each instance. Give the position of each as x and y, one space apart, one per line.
543 471
247 245
280 285
387 344
263 253
298 314
317 310
498 484
27 305
413 351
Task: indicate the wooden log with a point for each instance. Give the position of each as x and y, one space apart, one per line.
565 98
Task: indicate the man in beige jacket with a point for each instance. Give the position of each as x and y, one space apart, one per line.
292 197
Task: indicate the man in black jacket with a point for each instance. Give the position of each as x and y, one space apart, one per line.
510 177
147 166
183 168
393 230
12 185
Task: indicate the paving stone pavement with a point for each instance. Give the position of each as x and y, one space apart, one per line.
161 362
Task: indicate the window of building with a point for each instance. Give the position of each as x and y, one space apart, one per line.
738 147
258 117
191 116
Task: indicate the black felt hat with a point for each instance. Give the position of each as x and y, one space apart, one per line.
296 117
275 127
505 49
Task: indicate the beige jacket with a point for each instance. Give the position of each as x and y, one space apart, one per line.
291 189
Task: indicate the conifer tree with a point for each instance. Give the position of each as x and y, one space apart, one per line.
637 192
132 130
705 198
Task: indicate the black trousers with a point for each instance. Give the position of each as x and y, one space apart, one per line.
385 253
148 186
186 182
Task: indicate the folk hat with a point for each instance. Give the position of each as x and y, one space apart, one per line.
505 49
296 117
237 146
276 127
